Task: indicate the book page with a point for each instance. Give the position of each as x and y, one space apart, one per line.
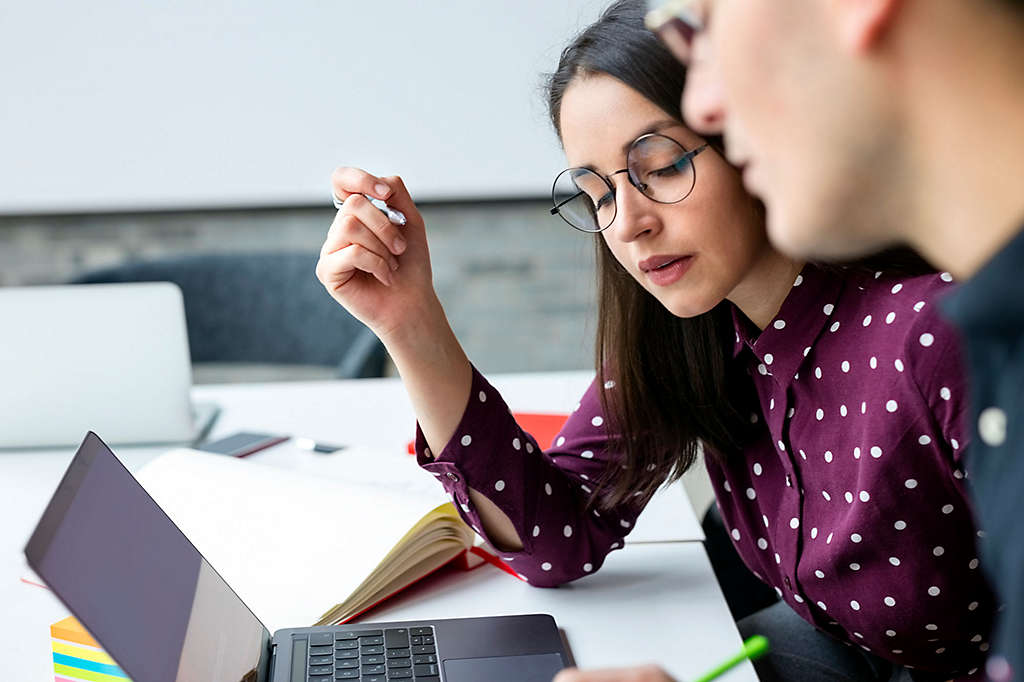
291 545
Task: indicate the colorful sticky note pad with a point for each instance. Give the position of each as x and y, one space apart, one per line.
77 657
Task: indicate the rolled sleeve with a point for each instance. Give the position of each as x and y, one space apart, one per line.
546 494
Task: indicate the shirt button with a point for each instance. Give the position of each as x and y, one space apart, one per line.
452 477
992 426
789 483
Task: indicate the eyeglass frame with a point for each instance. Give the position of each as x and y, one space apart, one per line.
690 155
679 17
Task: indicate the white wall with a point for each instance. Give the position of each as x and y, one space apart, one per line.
153 104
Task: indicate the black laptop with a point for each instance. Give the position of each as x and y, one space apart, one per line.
133 579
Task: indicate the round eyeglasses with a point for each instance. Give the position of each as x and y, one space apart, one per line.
658 166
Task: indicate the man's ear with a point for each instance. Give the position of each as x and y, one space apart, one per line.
861 24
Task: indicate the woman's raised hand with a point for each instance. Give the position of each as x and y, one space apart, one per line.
380 272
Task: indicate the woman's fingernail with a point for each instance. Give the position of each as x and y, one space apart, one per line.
399 244
382 190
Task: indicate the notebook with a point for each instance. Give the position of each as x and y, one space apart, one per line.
109 357
164 613
240 515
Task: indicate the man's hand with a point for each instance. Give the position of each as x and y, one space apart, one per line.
644 673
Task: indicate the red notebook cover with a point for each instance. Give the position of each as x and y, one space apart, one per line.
543 427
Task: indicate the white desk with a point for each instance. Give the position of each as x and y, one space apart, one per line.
377 413
657 600
649 603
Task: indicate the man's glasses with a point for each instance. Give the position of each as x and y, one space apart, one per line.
658 166
676 22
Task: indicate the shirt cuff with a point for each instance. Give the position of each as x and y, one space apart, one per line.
489 453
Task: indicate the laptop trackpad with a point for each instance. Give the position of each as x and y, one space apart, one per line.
526 668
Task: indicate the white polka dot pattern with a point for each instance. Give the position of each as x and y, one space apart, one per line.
878 345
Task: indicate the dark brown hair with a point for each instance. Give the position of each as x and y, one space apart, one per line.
676 384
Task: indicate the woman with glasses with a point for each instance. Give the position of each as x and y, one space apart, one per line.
827 400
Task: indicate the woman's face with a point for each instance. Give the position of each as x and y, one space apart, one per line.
710 240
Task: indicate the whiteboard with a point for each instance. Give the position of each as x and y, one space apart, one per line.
114 105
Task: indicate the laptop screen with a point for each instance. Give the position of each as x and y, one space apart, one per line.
131 577
56 390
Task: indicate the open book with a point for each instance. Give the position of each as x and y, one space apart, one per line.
301 550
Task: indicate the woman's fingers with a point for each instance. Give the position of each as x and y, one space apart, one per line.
334 270
401 199
361 238
346 181
378 223
348 229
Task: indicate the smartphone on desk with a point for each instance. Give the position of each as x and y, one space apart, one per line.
242 444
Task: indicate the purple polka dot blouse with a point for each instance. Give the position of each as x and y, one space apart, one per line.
850 500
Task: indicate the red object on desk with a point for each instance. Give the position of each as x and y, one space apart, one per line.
474 557
543 427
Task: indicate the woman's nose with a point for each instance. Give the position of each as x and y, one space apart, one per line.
636 215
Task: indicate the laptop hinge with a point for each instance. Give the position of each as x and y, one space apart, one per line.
268 672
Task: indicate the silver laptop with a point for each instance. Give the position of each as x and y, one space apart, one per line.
113 358
131 577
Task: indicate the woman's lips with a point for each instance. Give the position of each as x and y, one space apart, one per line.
670 272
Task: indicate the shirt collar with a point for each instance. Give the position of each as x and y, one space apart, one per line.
782 346
992 300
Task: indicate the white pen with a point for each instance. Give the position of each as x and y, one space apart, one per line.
315 446
394 215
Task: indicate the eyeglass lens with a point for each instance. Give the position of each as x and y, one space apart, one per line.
658 166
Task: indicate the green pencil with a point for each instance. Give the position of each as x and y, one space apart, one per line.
753 648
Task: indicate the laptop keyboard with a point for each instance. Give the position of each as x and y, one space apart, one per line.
407 654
